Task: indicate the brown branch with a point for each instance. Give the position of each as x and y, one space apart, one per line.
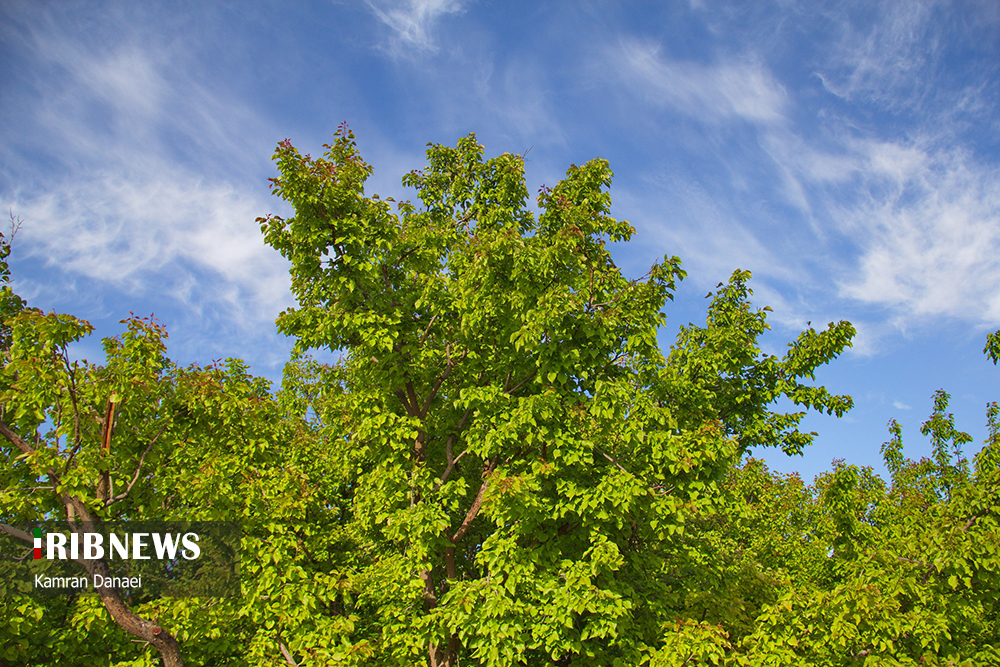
470 516
72 454
411 396
286 654
25 448
522 382
972 519
77 435
452 462
451 466
104 481
109 420
16 534
138 468
618 465
15 439
477 504
128 620
450 364
401 395
427 330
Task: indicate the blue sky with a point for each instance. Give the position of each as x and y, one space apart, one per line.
847 153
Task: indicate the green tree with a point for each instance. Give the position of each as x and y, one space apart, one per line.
912 568
518 460
135 438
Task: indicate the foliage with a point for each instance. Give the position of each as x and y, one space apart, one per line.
522 459
177 435
719 373
911 572
502 467
992 349
185 444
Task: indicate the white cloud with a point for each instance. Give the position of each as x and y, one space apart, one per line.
719 92
148 231
148 176
928 231
704 230
412 21
910 226
519 98
899 405
875 61
919 220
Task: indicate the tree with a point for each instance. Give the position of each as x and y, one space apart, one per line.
502 468
137 438
910 572
518 460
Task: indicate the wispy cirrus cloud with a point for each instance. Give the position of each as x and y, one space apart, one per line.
412 22
131 170
928 230
718 92
906 221
878 60
147 231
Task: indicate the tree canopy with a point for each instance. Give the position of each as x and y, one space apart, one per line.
503 467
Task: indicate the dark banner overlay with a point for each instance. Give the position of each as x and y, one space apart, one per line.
142 560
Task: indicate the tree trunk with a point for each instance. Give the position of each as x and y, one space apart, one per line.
77 510
163 641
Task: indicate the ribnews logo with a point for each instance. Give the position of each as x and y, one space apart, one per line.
142 560
163 545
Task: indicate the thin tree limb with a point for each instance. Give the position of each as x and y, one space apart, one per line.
138 468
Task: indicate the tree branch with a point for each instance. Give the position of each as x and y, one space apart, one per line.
470 516
16 534
138 468
128 620
15 439
477 504
427 330
77 435
286 654
522 382
617 465
972 519
104 481
450 364
452 462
